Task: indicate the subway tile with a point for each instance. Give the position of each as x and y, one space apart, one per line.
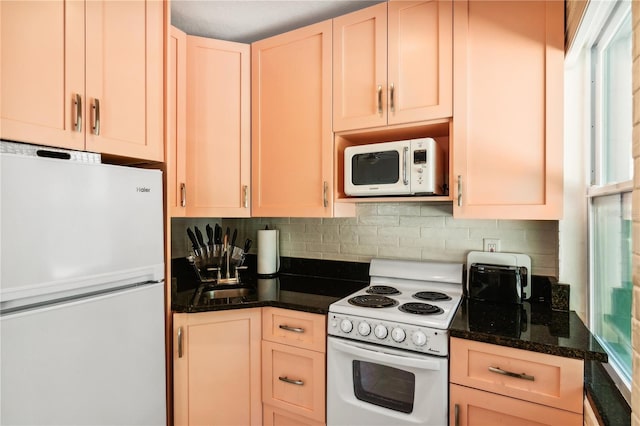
451 222
445 233
321 229
379 240
399 231
408 209
358 230
359 249
378 220
422 242
423 221
341 238
305 236
323 247
400 253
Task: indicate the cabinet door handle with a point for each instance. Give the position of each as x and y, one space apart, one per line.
180 352
291 381
289 328
245 196
325 191
459 190
183 194
95 128
380 100
456 415
522 376
392 103
77 103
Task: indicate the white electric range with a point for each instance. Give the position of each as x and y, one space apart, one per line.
387 345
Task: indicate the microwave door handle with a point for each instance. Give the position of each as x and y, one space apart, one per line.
405 154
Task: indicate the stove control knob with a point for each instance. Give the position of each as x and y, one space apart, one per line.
419 338
398 334
364 329
346 326
380 331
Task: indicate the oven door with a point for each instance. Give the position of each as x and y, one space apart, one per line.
373 385
378 169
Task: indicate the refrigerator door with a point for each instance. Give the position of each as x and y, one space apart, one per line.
92 361
69 227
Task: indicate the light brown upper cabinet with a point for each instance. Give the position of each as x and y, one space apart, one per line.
508 109
218 129
176 127
392 64
292 141
84 75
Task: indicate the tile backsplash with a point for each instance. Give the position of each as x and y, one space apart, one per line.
420 231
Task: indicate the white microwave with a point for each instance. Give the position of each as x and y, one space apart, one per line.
408 167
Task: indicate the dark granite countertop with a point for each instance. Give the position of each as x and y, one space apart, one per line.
312 288
530 326
301 293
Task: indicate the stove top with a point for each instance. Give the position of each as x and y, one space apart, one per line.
408 304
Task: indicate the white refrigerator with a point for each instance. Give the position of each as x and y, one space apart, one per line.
81 290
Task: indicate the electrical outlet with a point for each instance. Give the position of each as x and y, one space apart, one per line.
491 244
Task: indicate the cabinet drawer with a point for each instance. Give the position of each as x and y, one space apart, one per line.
276 417
474 407
293 379
544 379
300 329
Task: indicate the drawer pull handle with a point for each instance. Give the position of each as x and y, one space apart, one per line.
294 329
291 381
510 374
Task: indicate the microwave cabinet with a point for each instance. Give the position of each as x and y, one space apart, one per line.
84 75
492 384
293 367
392 64
216 367
508 109
292 141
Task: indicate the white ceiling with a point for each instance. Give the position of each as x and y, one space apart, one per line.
246 21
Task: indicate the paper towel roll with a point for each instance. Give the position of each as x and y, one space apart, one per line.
268 251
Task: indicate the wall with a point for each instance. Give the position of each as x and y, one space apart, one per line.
424 231
635 322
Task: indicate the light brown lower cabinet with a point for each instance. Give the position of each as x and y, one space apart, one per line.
216 368
293 367
496 385
475 407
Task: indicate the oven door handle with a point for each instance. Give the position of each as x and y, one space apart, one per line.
380 355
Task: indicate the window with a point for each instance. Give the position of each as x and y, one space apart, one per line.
609 191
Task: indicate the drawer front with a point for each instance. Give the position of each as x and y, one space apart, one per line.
276 417
544 379
300 329
293 379
474 407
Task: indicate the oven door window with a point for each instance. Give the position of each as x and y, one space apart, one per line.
387 387
375 168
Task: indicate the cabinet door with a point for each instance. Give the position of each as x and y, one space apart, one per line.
420 54
507 124
218 126
216 361
124 78
293 379
176 127
360 69
292 141
42 72
468 406
277 417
